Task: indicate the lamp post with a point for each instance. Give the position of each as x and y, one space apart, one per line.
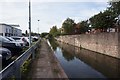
38 27
29 23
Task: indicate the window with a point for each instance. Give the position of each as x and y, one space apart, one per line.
1 34
5 34
6 30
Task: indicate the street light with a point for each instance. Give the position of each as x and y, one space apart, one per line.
38 27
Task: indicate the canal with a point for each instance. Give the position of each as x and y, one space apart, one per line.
81 63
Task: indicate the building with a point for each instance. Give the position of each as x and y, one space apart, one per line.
10 30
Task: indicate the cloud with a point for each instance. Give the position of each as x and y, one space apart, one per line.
49 14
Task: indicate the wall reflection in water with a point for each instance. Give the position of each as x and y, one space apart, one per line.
108 66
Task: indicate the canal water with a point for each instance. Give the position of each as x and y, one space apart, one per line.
81 63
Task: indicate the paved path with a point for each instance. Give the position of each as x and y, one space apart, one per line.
46 65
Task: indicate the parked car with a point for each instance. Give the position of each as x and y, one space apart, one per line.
20 43
35 38
13 47
21 39
5 54
27 38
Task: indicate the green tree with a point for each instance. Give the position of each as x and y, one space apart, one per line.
68 26
114 7
103 20
44 34
84 26
54 31
59 32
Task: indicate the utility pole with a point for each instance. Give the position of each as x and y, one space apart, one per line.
29 23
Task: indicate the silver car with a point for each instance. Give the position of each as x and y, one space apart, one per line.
19 43
20 39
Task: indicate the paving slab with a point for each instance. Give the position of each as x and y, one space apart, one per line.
46 65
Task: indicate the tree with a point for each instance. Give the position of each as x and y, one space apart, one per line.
54 31
83 26
59 32
103 20
44 34
114 7
68 26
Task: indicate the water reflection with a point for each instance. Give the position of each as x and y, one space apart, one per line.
108 66
66 56
82 63
53 43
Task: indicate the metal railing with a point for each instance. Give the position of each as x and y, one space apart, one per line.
14 67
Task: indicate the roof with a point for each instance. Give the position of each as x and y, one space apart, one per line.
4 24
13 25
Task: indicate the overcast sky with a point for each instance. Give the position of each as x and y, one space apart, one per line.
49 12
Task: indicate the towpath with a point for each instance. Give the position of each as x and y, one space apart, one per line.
46 64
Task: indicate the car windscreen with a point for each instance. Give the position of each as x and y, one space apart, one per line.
16 38
3 39
11 39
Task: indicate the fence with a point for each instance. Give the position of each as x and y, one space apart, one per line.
14 67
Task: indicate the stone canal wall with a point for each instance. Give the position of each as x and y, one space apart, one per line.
111 67
105 43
